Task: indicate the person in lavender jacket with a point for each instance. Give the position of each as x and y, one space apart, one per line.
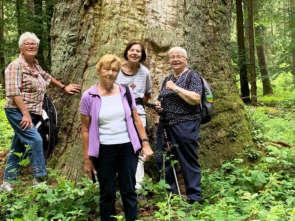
110 142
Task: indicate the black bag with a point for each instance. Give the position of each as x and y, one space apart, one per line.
206 104
47 127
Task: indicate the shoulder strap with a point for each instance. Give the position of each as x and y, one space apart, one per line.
128 95
188 78
165 80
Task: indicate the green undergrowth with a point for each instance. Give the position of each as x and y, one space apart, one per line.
260 186
283 92
61 200
5 129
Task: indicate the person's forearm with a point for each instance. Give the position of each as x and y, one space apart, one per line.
85 121
57 83
85 138
18 100
189 97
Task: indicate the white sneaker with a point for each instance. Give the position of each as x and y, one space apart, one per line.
5 186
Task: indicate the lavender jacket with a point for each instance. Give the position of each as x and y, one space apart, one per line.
90 106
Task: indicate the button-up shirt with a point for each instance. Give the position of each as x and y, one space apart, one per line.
23 80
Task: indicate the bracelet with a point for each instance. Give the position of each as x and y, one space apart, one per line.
145 140
176 90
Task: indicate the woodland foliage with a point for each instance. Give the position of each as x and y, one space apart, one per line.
258 184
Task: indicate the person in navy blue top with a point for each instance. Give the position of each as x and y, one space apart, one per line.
179 104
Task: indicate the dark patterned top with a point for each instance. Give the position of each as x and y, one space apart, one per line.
176 110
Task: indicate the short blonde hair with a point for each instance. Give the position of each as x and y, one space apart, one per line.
178 49
108 61
26 36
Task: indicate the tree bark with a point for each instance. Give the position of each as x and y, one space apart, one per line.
244 84
267 88
207 40
2 56
252 52
84 31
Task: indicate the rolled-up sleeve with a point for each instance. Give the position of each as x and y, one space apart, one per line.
84 105
13 80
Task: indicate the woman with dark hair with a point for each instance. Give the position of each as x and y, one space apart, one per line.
134 74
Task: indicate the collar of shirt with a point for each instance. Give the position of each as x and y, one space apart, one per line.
178 76
26 68
93 91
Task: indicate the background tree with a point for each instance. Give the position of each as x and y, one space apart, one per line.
260 33
266 85
2 55
90 29
292 36
242 61
251 39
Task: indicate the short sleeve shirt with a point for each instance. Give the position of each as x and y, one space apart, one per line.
142 82
22 80
176 110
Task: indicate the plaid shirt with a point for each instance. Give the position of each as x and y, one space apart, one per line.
22 80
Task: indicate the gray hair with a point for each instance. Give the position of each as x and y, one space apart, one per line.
178 49
28 35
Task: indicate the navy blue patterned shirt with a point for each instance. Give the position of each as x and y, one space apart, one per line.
176 110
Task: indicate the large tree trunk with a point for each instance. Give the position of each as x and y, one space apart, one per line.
207 39
252 52
2 57
244 84
266 85
82 32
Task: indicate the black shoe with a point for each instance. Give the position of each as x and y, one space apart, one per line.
200 201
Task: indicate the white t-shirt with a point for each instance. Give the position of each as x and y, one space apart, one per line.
142 81
112 123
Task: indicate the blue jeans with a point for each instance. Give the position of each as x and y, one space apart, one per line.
18 151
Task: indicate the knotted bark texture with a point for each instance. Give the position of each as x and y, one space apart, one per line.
83 31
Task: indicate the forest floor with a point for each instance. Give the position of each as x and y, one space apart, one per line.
257 185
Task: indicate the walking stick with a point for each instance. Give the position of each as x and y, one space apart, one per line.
168 149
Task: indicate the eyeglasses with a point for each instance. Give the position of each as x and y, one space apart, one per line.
27 44
178 56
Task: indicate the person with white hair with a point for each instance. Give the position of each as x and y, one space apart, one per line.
25 87
179 106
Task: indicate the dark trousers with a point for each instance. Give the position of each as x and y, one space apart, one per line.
183 137
117 161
